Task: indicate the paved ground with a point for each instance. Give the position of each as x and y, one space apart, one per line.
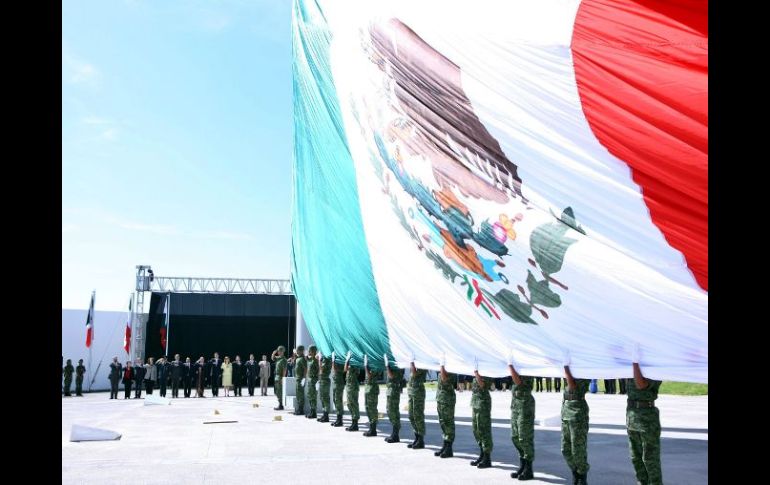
170 444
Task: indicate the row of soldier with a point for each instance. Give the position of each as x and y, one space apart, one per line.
642 416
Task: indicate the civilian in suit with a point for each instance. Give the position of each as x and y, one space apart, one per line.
128 379
609 386
176 375
116 372
557 384
199 373
237 376
251 374
187 377
162 366
139 372
215 371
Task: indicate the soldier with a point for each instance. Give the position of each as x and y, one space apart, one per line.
338 374
326 368
417 406
522 423
280 373
251 373
68 371
395 384
371 395
312 378
139 373
352 394
80 371
445 402
481 418
116 372
557 384
300 375
238 377
574 425
176 375
643 421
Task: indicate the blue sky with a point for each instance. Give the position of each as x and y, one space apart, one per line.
176 142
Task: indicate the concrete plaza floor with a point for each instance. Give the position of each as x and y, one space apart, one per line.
170 444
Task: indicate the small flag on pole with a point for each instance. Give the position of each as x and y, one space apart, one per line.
90 321
127 338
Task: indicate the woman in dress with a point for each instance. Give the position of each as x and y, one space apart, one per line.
227 376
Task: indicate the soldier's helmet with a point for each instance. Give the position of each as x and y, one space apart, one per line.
312 349
300 348
281 348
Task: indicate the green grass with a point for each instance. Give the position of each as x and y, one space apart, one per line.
674 388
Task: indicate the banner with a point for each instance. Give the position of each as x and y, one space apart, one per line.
517 182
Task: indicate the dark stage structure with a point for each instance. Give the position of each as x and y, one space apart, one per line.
231 324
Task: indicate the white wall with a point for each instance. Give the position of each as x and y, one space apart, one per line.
109 330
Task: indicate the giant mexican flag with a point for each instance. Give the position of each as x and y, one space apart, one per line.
516 181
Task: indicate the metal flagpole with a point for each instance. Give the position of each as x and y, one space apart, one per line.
91 315
168 320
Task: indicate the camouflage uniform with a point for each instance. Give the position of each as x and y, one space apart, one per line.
445 402
69 369
523 418
312 375
352 394
394 398
643 422
417 401
326 368
300 369
339 388
574 426
280 369
481 407
371 395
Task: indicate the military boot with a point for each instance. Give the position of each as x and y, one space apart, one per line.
393 438
485 462
324 418
413 441
337 422
521 466
419 444
443 447
279 408
580 479
372 430
353 427
526 471
477 460
447 453
312 414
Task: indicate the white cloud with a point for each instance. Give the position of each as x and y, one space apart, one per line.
78 71
96 120
162 229
110 134
228 235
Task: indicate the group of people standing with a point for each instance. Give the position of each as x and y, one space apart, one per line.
642 417
67 372
187 375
